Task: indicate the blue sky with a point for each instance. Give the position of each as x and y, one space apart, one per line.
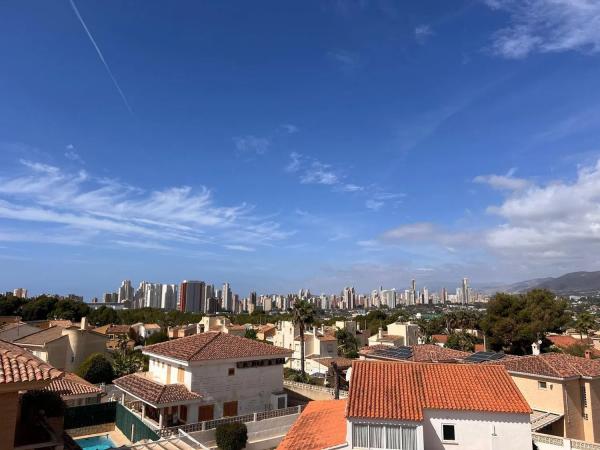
280 145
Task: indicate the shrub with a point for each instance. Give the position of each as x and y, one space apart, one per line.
232 436
155 338
96 369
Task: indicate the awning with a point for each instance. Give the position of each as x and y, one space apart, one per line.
541 419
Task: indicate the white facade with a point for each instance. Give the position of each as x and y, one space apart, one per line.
473 430
255 389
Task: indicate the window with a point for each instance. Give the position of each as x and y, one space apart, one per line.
448 433
542 385
377 436
183 413
281 402
231 371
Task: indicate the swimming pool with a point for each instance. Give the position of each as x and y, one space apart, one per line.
95 443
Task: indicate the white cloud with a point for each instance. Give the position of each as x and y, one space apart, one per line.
503 182
547 26
82 205
319 173
252 144
295 162
351 188
290 128
422 33
72 155
346 59
240 248
374 205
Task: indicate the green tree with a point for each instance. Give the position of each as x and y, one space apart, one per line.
103 316
302 315
347 343
155 338
96 369
514 321
38 308
250 333
584 323
461 340
70 310
232 436
126 362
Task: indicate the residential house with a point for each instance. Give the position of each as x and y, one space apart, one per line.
145 330
414 353
64 348
11 331
318 343
207 376
222 324
75 391
418 406
564 391
21 371
181 331
117 335
266 332
323 367
397 334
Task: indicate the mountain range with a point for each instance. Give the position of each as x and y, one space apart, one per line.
574 283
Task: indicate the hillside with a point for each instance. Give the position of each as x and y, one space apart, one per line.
574 283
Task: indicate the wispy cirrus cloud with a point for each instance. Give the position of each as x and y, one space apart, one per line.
91 209
423 33
313 171
345 59
252 144
544 26
72 155
506 182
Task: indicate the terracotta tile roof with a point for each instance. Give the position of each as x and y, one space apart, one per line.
113 329
343 363
327 337
400 391
19 365
321 425
41 337
440 338
563 341
479 347
214 345
420 353
71 385
555 365
153 392
152 326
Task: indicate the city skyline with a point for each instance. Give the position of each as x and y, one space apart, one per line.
326 145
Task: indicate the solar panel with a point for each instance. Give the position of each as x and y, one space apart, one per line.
394 352
484 356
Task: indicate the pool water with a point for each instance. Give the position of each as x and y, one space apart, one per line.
95 443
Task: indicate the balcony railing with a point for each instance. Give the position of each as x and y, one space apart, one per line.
210 424
314 387
563 443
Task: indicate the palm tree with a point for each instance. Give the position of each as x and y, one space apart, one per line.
584 323
302 315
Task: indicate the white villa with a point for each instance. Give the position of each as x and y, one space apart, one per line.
207 376
419 406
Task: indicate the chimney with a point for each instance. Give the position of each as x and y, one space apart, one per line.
380 333
588 354
535 349
84 323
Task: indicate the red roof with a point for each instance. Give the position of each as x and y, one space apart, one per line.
420 353
563 341
153 392
321 425
555 365
215 345
400 391
71 385
440 338
18 365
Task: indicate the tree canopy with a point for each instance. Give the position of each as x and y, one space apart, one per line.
514 321
97 368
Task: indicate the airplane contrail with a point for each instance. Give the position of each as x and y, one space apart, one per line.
101 56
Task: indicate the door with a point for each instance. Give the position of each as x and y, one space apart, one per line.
230 409
206 412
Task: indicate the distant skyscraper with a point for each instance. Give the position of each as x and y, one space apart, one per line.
349 297
169 297
191 296
465 291
125 291
20 292
227 299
